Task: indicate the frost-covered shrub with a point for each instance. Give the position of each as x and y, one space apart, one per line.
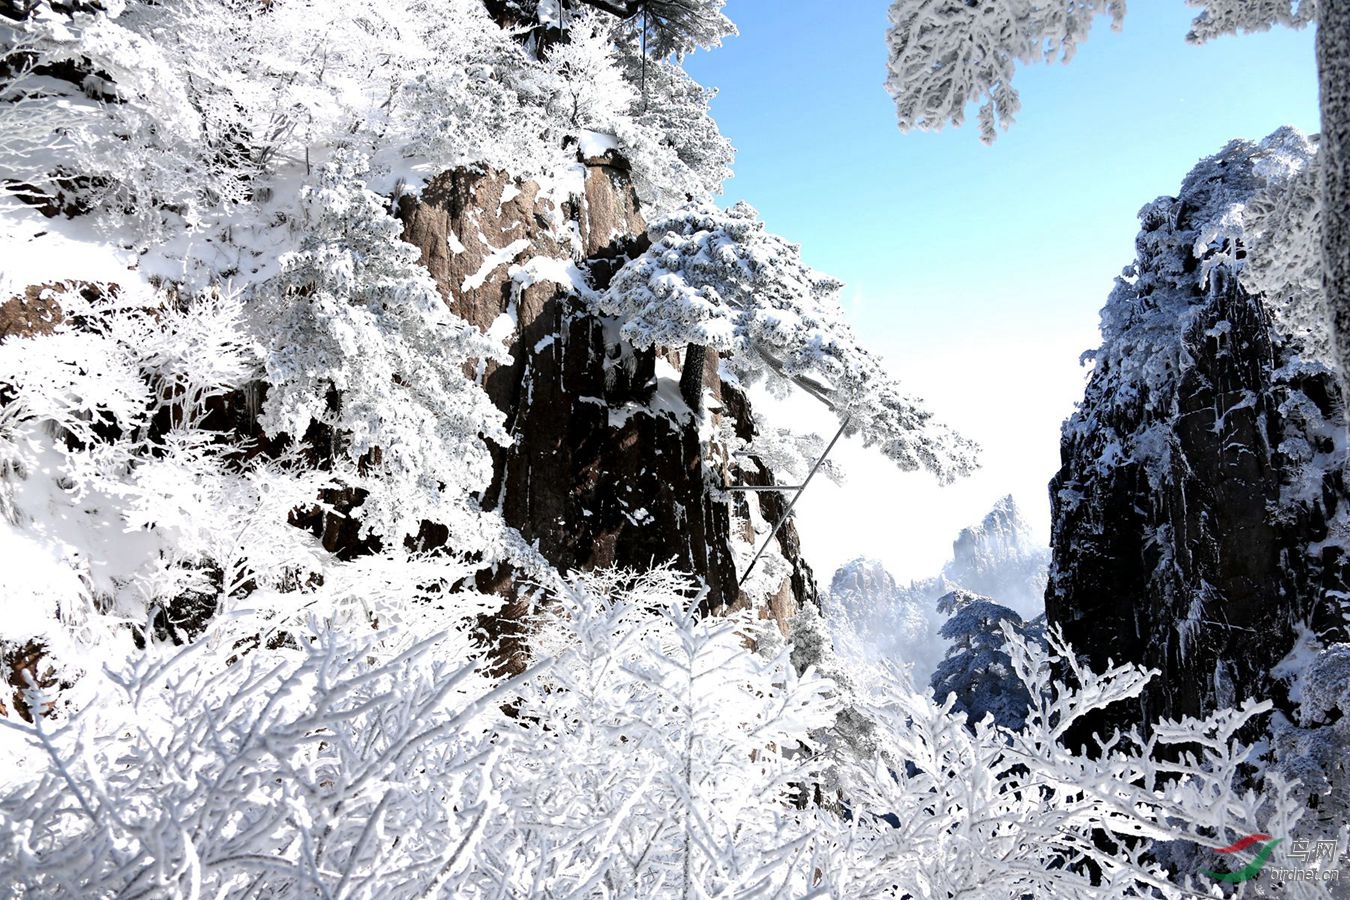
329 768
590 91
645 752
478 99
178 108
950 808
657 755
123 504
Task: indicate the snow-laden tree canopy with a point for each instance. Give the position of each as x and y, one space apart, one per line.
1220 17
945 54
176 113
664 27
361 344
718 279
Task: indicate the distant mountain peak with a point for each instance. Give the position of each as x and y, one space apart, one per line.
1002 534
998 560
863 576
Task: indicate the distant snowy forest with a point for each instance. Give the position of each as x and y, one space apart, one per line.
384 512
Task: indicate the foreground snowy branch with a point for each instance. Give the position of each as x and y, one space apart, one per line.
645 753
309 770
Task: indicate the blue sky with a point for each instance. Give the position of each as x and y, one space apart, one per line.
978 272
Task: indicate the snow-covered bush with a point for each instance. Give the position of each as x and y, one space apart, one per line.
478 98
645 752
657 756
950 808
591 92
176 109
123 504
327 767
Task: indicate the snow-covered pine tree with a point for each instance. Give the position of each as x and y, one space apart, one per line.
365 354
675 130
717 281
977 678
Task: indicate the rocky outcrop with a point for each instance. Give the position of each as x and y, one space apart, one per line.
33 312
608 465
890 622
37 311
1200 512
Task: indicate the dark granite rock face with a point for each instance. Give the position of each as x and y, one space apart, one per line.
1200 512
608 465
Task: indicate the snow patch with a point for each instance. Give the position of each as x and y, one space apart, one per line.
493 261
563 272
597 143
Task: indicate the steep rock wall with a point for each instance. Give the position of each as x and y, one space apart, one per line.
607 467
1199 515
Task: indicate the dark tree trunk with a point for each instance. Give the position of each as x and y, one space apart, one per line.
691 376
1333 70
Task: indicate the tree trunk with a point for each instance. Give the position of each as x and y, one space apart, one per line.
691 376
1333 70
